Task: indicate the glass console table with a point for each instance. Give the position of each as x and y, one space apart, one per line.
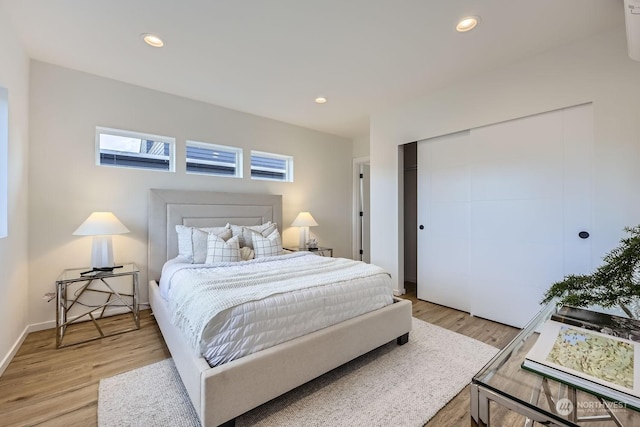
504 394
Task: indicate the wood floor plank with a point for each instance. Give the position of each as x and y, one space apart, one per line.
85 417
58 405
59 387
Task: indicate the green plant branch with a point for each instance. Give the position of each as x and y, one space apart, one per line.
615 283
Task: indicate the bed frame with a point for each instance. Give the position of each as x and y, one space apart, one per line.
222 393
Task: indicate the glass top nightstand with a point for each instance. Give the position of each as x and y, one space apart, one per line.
503 393
83 295
320 250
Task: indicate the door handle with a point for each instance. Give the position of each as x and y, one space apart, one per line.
583 234
421 227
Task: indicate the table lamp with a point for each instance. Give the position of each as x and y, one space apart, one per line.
304 220
101 225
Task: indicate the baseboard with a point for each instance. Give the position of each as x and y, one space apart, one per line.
35 327
9 357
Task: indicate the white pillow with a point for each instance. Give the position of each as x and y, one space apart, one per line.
192 241
220 251
244 231
185 245
267 246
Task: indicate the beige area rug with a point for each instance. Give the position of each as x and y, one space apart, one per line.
390 386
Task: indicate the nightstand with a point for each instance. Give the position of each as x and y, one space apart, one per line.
320 250
94 296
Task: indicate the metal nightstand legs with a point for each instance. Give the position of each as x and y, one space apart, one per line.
114 298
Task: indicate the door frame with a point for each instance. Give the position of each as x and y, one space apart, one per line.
355 225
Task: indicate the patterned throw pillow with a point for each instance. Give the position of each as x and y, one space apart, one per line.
245 231
192 241
220 251
266 246
200 242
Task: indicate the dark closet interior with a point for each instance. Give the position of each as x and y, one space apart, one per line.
410 216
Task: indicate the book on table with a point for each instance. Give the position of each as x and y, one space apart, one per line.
605 365
606 323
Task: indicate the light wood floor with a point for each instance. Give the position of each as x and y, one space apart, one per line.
46 386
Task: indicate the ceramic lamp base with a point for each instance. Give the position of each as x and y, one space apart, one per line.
101 252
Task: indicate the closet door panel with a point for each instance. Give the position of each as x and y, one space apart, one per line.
443 211
578 171
516 216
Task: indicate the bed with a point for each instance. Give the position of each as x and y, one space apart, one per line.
222 393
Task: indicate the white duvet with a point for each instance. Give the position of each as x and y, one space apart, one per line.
229 310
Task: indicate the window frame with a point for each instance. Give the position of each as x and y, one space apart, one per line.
209 145
288 171
137 135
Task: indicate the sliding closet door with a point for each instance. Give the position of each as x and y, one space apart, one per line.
527 184
443 220
516 245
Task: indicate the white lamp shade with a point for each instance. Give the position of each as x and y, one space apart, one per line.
304 219
100 224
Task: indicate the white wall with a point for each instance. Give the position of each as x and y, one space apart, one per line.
593 70
14 72
66 185
361 146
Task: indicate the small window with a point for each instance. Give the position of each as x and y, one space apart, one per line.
128 149
4 163
214 159
270 166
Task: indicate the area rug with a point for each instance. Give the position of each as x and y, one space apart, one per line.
392 385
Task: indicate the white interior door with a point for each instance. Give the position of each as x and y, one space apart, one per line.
502 207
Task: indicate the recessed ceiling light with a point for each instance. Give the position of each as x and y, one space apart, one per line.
321 100
467 24
152 40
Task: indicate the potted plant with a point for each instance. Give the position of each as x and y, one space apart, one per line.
615 283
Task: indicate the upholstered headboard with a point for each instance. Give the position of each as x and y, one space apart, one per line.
168 208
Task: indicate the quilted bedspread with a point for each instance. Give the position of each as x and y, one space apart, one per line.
227 310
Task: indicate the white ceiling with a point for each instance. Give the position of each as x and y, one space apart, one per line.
273 57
